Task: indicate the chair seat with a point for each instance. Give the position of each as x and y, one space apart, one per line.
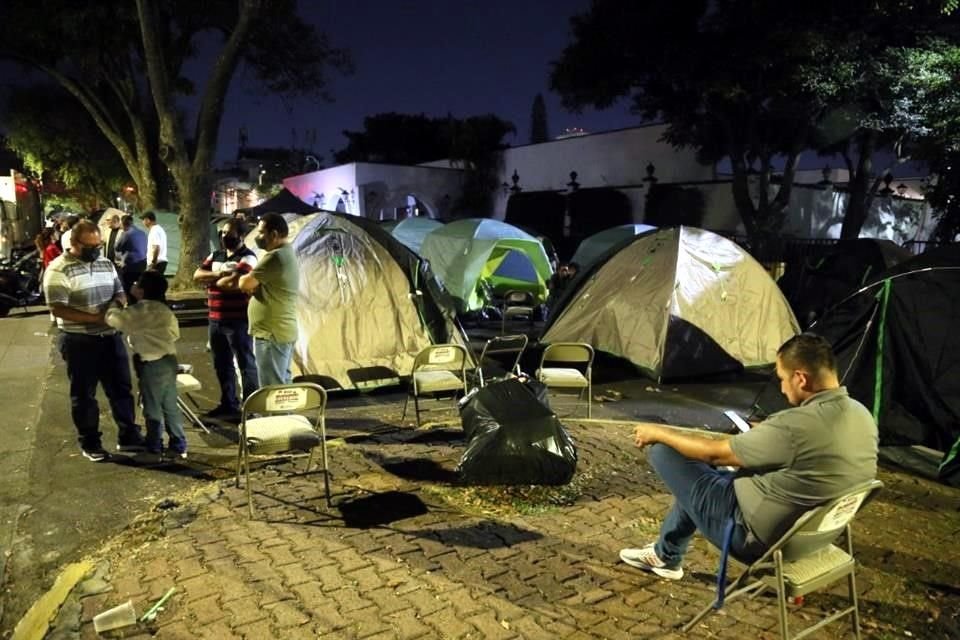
562 377
187 383
277 434
816 570
433 381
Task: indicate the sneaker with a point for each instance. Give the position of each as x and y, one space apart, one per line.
95 454
647 559
132 443
175 455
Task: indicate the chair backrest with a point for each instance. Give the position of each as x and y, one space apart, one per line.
822 525
296 397
516 298
441 357
505 351
568 352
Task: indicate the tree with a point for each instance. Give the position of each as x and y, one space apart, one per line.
748 80
538 121
126 64
59 142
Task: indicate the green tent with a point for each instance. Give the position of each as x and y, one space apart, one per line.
479 256
592 248
411 231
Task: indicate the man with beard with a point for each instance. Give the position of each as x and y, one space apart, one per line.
229 330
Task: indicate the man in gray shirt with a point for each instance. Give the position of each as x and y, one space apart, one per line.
796 459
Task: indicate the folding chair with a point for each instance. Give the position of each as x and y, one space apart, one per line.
803 560
438 369
516 305
186 384
499 358
282 429
576 377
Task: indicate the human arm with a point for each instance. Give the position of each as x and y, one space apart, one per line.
247 283
713 451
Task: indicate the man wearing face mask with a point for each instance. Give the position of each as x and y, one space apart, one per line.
80 285
229 331
273 285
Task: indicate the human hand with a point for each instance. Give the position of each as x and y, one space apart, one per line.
228 267
646 434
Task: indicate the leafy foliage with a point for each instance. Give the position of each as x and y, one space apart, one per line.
539 132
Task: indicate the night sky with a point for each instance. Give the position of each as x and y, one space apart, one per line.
423 56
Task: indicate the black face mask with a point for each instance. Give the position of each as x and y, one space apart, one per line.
261 242
89 254
230 242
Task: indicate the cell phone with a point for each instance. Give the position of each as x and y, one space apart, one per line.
735 418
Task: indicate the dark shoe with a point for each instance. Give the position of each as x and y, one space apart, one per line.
132 444
223 412
95 454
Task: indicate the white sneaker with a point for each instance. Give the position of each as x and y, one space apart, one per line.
647 559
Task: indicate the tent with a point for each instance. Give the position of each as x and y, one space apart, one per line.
367 304
898 352
678 302
475 254
815 283
283 202
411 231
593 247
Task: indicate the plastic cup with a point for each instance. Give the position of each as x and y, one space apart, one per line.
116 618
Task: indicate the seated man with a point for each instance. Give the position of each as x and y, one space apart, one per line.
794 460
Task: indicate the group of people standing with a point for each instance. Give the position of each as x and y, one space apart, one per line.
252 319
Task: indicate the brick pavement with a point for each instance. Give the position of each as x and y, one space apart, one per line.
418 564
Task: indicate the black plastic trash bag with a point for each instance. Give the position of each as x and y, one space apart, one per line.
514 438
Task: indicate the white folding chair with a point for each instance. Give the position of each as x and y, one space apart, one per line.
283 428
186 384
517 305
574 373
803 560
438 370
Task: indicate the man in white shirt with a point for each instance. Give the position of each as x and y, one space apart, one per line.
156 243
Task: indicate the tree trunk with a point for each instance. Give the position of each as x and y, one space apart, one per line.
860 190
194 220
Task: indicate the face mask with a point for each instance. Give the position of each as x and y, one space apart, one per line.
230 242
261 242
89 254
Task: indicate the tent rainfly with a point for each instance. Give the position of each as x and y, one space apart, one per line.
678 302
367 304
411 231
465 254
592 248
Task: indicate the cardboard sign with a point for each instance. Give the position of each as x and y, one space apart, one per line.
286 399
443 355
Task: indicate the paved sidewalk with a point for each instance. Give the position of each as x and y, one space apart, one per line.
405 553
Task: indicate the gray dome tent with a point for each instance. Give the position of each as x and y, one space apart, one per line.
367 304
677 302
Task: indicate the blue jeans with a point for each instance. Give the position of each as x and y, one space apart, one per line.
273 361
158 389
231 339
704 499
103 359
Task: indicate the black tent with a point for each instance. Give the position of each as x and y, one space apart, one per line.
815 283
283 202
898 351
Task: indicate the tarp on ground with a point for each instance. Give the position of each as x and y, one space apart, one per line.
898 352
592 248
464 254
514 438
678 302
814 284
367 304
284 202
411 231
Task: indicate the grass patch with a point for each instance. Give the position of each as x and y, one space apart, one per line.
513 500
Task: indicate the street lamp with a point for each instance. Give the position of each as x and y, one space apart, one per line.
260 178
